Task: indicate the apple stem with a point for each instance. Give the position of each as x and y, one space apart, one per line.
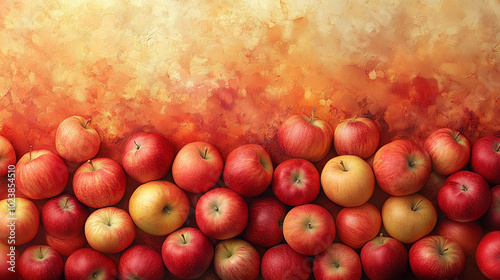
498 148
312 115
137 146
456 136
91 164
416 205
108 222
309 225
183 238
66 202
40 252
343 166
444 250
380 240
216 208
87 123
205 155
31 149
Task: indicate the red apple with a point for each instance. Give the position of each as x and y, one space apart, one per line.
296 182
41 174
488 255
436 257
337 262
236 259
147 156
348 180
432 188
159 207
19 221
248 170
449 150
64 216
467 234
141 262
491 219
401 167
197 167
358 225
76 139
7 156
187 253
305 137
309 229
221 213
282 262
356 136
9 258
408 218
485 158
40 262
89 264
66 246
384 258
464 197
109 230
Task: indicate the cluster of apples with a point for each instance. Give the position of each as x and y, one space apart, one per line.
251 219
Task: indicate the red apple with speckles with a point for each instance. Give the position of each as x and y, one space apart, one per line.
40 262
449 150
66 246
466 234
76 139
7 156
384 258
358 225
356 136
236 259
89 264
141 262
485 159
282 262
337 262
64 216
488 255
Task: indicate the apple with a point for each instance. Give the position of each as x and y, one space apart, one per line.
19 221
109 230
7 156
467 234
384 258
282 262
356 136
309 229
64 216
76 139
465 196
147 156
491 219
339 262
436 257
408 218
432 188
296 181
89 264
305 137
236 259
265 221
248 170
41 262
449 150
401 167
187 253
141 262
100 182
159 207
358 225
41 174
8 262
348 180
197 167
485 158
221 213
66 246
488 255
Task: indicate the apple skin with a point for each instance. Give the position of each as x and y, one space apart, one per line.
27 221
7 156
358 225
408 218
248 170
66 246
465 196
435 257
282 262
76 139
339 262
467 234
41 174
401 167
348 180
309 229
384 258
89 264
485 159
356 136
141 262
148 156
305 137
40 262
296 181
449 150
491 219
236 259
159 207
488 255
187 253
9 257
109 230
64 216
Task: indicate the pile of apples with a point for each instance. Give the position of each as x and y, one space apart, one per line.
366 213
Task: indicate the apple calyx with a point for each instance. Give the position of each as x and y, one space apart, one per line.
87 123
465 188
137 146
343 166
414 208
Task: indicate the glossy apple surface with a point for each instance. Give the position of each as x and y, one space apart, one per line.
19 221
89 264
66 246
466 234
338 262
356 136
358 225
40 262
141 262
488 255
491 219
282 262
7 156
384 258
485 159
236 259
449 150
76 139
64 216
